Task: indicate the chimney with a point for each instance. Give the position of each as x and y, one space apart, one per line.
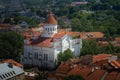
10 65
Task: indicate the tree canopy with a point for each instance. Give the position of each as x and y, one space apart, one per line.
66 55
11 45
92 47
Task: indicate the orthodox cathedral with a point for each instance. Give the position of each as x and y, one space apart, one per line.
42 51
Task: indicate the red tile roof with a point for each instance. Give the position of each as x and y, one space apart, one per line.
74 34
51 20
76 70
96 75
117 39
101 57
63 68
100 63
59 35
111 76
80 70
5 26
45 42
14 62
88 35
42 42
115 63
118 76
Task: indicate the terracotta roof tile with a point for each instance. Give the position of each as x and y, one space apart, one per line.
111 76
59 35
74 34
51 20
96 75
117 39
100 63
5 26
42 42
14 62
75 70
88 35
63 68
80 70
101 57
45 42
115 63
118 76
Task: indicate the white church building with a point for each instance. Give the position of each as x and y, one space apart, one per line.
42 51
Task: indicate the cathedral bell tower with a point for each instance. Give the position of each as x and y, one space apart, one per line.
50 26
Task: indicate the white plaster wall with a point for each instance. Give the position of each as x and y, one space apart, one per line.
49 33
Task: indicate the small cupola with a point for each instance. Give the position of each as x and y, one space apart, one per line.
50 26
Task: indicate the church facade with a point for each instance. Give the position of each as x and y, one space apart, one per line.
42 51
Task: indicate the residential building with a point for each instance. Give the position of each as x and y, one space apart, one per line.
11 70
5 27
106 67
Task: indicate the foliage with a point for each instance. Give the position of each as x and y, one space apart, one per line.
65 56
11 45
89 47
74 77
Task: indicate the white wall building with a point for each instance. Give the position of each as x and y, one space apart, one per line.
43 50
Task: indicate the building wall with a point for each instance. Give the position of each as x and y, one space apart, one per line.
49 30
47 57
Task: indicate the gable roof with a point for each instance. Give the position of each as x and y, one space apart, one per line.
101 57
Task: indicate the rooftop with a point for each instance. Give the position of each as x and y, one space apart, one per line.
51 20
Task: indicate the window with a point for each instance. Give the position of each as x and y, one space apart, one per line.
14 72
35 55
11 73
4 76
48 29
8 74
40 56
53 29
45 57
1 77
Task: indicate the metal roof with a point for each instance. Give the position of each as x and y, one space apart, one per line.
7 72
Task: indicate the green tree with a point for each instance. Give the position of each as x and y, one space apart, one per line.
89 47
65 56
76 24
74 77
108 49
11 45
